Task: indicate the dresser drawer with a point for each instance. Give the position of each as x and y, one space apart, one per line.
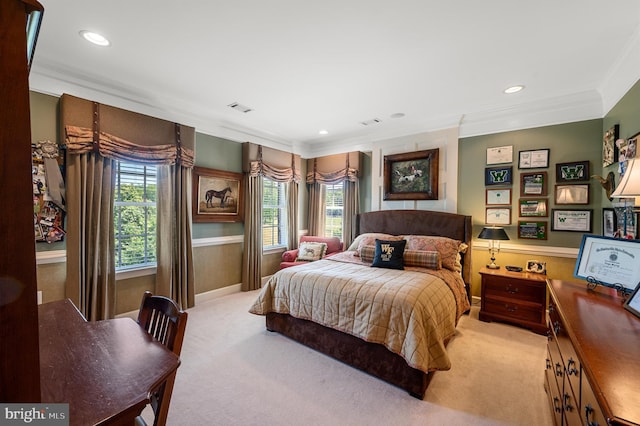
512 309
515 289
591 412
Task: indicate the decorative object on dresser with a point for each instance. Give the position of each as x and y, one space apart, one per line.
629 187
515 297
592 368
495 235
611 262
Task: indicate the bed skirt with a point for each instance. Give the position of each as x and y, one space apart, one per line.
372 358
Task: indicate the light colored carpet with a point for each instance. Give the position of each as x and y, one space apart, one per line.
234 372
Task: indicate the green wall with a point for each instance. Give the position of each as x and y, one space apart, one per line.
219 154
578 141
626 113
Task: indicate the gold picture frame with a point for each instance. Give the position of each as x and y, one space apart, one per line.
217 196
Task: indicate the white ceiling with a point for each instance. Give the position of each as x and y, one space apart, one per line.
303 66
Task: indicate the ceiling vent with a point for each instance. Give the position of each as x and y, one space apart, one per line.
240 107
370 122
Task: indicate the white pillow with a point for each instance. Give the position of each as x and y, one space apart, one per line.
310 251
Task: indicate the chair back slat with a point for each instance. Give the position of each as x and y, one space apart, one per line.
165 322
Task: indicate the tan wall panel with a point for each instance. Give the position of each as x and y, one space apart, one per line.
271 263
217 266
129 292
51 280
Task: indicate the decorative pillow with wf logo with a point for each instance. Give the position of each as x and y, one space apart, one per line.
389 254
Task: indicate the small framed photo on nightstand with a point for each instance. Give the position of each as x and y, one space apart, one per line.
536 266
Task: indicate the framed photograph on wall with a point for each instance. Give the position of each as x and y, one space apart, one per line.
498 197
609 222
572 194
533 207
532 230
534 159
571 220
498 175
411 175
609 148
217 196
577 171
533 184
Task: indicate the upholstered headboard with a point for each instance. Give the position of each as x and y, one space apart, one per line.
420 222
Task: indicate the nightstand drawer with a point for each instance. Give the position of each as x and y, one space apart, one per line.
515 289
513 310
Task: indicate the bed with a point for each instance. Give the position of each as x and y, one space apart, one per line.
391 323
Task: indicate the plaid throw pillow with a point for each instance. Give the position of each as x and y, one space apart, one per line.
422 259
418 258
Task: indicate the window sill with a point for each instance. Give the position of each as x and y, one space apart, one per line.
272 250
135 272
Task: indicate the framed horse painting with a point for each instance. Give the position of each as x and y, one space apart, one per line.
217 196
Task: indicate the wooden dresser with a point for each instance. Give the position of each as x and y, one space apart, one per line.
515 297
592 374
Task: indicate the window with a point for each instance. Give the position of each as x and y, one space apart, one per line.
134 215
274 214
333 210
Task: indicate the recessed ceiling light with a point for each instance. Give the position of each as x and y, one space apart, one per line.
513 89
94 38
323 132
397 115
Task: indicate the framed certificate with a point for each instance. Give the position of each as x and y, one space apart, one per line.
612 262
535 159
500 155
499 197
571 220
632 304
498 216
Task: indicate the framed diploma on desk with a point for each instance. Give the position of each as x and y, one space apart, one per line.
612 262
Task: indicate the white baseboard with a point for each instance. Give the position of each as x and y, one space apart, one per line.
200 298
217 293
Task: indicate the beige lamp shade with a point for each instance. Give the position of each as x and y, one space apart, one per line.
630 184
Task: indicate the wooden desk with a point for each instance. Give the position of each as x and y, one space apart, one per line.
104 370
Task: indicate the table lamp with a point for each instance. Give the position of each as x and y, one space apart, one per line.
629 187
494 234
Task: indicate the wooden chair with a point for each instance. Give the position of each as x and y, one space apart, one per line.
166 322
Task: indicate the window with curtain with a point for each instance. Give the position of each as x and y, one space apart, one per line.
333 210
135 215
274 214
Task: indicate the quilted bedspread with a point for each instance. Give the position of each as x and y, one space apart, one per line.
413 313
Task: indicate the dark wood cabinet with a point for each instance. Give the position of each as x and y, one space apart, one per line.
19 355
515 297
592 372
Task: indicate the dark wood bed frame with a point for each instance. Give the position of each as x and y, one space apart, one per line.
375 358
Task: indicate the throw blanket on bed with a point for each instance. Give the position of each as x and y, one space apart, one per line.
412 313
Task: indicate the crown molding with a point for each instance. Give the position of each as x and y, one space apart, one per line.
569 108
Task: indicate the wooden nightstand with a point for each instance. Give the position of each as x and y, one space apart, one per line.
514 297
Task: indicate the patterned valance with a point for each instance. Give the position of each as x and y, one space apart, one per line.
334 169
271 163
80 140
